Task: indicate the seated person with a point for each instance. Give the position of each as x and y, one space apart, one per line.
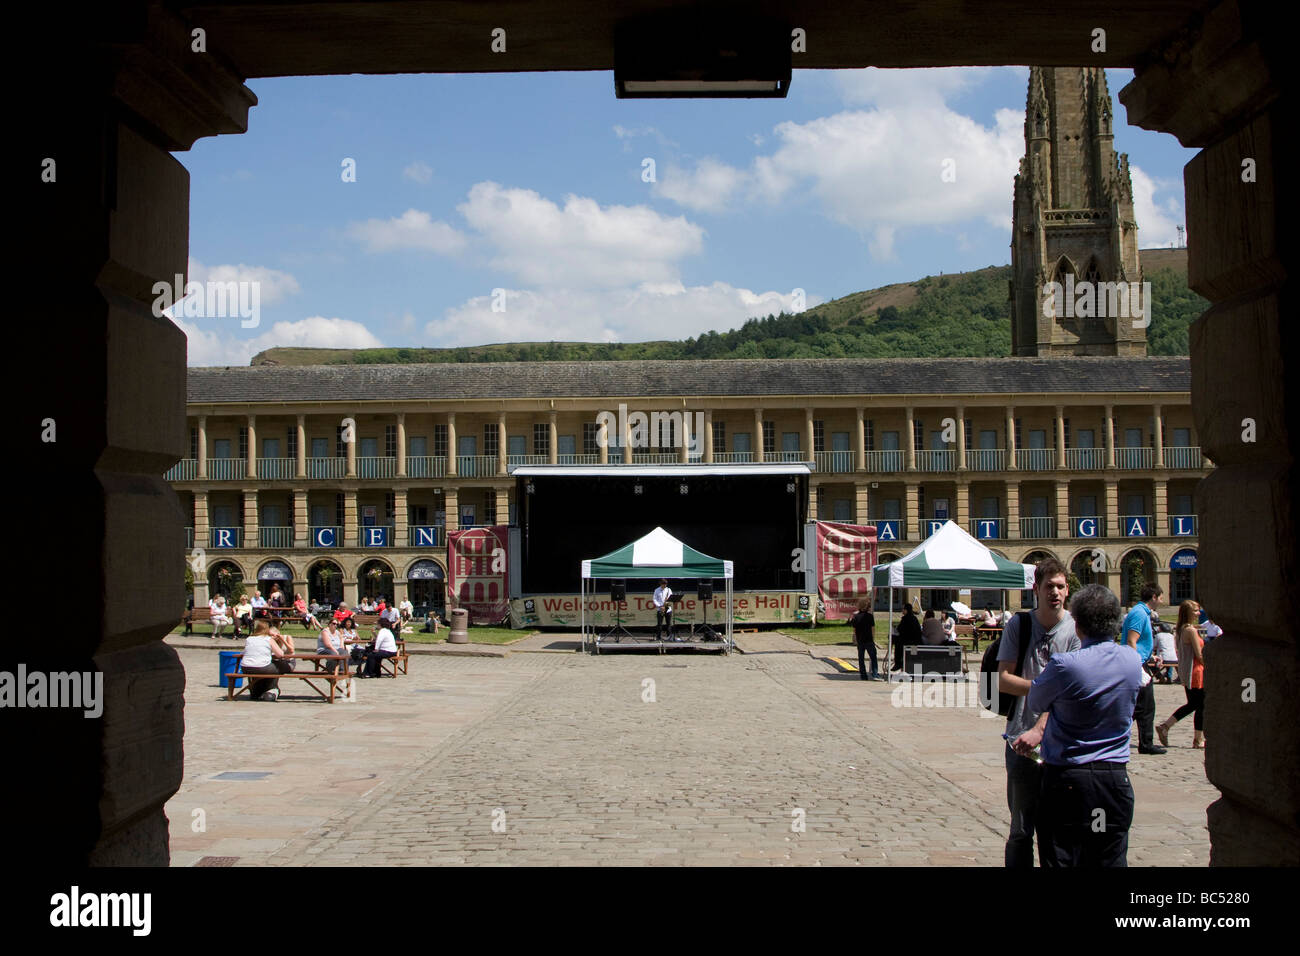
907 635
407 609
932 632
305 616
218 615
264 653
949 629
243 614
277 596
990 619
365 607
344 613
1165 654
384 645
330 641
259 605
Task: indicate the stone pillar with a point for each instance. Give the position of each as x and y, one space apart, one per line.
503 505
552 439
201 521
1109 435
1160 436
203 447
452 507
1060 436
401 444
861 446
912 511
350 449
963 506
1011 438
758 435
813 513
399 590
351 591
503 442
708 436
452 465
1063 510
683 449
627 440
602 440
252 447
1112 509
861 502
350 532
301 528
1160 508
909 441
250 519
961 438
300 469
809 446
401 515
1013 510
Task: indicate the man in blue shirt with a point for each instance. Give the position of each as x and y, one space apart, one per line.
1136 633
1086 802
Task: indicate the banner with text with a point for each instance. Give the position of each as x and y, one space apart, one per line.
750 607
477 568
845 556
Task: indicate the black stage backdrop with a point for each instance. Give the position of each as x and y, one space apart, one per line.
756 521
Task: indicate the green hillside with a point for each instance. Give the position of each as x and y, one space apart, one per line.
965 314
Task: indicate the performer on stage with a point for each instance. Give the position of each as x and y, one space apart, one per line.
663 608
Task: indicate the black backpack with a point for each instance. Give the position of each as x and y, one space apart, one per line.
990 697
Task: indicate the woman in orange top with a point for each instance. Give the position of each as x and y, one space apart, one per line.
1191 671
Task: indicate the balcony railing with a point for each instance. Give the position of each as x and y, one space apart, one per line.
578 459
1183 457
891 460
476 466
986 528
276 467
732 457
1087 526
225 537
943 459
1134 458
653 458
1035 459
326 467
1136 526
1182 526
615 454
423 535
275 537
785 456
1038 527
837 462
1082 459
986 459
187 469
426 466
376 467
375 536
227 469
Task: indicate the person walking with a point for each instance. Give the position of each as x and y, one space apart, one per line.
1191 671
1086 801
864 635
1136 633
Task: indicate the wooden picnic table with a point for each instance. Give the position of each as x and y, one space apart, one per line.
332 678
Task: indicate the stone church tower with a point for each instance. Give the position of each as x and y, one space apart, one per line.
1072 221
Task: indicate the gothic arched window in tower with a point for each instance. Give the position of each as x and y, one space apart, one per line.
1093 274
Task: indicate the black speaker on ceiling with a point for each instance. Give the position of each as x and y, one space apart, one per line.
618 591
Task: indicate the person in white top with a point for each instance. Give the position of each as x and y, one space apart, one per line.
264 653
407 609
217 614
384 645
663 608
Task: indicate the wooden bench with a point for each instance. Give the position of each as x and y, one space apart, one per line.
198 615
397 664
317 673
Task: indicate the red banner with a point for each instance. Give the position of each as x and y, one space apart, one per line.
845 556
478 569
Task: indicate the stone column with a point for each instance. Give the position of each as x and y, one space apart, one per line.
602 440
963 506
301 466
203 447
503 443
401 444
758 435
861 502
452 465
1013 510
552 439
1109 435
961 438
1160 508
401 534
301 528
708 436
909 440
627 440
1160 436
452 507
813 513
350 532
250 519
1112 509
1063 510
683 449
861 447
1060 436
503 505
810 446
350 449
201 521
912 512
1011 438
252 447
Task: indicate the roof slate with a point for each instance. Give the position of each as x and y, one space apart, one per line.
714 377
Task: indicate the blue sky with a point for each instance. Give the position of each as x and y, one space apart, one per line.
528 192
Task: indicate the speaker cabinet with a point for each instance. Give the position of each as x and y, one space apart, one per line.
705 591
618 591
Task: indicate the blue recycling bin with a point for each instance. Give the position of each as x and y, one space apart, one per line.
230 664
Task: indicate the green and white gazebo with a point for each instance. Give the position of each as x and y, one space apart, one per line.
950 559
657 555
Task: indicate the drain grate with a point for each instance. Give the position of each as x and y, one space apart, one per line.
217 861
243 775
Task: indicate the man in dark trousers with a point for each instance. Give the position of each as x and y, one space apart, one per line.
864 633
909 635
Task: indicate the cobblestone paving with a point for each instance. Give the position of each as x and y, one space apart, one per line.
573 766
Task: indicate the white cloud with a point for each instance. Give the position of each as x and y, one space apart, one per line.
709 187
413 229
658 310
273 285
220 345
1158 221
892 89
582 244
418 172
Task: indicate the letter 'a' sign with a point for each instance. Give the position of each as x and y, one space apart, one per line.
888 530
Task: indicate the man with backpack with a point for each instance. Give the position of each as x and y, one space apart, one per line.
1051 631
